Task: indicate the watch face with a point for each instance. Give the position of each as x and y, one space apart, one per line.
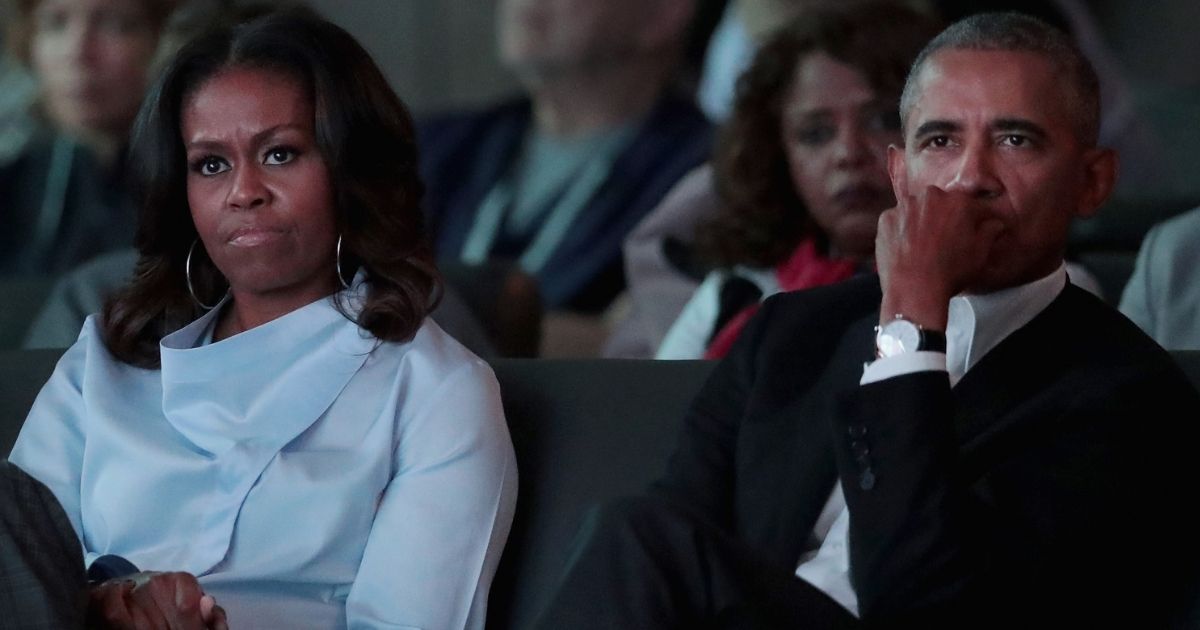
897 337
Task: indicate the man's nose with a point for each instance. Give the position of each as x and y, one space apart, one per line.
248 191
975 174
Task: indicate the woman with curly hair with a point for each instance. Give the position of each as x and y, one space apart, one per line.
801 170
266 413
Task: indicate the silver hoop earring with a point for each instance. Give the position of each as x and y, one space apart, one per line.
337 263
187 271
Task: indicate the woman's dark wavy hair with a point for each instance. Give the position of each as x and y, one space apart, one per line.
761 216
365 135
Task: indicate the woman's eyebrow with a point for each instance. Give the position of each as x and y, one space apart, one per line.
257 138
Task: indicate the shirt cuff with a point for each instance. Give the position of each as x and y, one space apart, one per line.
901 364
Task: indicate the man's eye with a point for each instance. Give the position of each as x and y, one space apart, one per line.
1014 140
280 155
938 142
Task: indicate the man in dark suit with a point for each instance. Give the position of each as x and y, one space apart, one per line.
1003 450
41 578
555 180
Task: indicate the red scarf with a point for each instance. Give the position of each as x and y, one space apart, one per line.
804 269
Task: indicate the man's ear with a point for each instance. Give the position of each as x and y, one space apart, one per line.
1100 176
897 171
665 25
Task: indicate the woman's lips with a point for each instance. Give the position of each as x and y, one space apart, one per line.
252 236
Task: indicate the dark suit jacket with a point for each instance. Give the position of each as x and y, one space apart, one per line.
463 156
1050 485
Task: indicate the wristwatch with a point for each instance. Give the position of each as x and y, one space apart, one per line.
903 335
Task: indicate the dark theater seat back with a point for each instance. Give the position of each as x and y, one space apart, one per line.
584 431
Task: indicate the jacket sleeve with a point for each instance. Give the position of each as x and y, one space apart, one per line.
1074 515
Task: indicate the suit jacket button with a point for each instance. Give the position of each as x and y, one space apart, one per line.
867 480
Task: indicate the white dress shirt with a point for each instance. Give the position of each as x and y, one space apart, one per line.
976 324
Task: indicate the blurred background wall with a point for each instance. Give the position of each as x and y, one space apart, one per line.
1155 39
437 53
1156 42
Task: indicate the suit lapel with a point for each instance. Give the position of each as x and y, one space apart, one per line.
989 398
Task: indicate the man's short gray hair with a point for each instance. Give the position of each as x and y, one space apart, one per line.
1017 32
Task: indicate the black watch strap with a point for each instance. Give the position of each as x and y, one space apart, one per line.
933 341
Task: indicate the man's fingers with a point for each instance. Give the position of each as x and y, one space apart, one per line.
991 227
976 215
886 222
939 195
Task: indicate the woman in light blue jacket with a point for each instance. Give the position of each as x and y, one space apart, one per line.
266 407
